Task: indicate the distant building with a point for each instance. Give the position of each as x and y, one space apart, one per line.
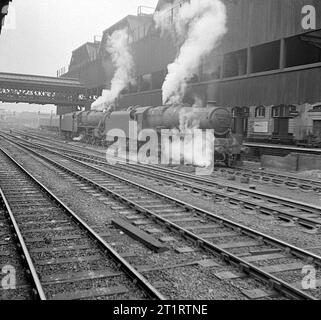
91 64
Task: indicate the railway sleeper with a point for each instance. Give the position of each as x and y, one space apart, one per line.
306 188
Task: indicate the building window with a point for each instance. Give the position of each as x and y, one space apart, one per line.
145 82
316 108
236 112
211 68
260 112
301 50
124 91
246 112
283 111
266 57
158 79
235 64
132 86
194 79
236 115
276 112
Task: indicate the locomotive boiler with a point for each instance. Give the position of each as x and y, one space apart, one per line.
226 147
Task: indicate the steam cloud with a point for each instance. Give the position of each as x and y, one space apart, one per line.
199 25
197 146
119 49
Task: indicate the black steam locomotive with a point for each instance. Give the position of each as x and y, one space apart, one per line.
94 126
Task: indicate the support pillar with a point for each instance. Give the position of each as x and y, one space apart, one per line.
249 61
282 54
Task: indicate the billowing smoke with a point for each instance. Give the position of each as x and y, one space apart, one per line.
199 26
188 119
119 49
189 144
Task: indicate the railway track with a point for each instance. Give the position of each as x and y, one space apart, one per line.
276 179
15 258
162 262
293 212
257 255
290 181
66 258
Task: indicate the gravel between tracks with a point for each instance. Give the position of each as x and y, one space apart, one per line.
96 213
272 227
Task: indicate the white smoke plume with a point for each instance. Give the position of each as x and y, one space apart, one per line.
200 25
162 20
196 146
188 119
120 51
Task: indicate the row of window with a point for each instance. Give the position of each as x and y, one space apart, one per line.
297 51
146 82
260 112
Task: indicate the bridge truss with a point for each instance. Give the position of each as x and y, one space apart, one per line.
32 89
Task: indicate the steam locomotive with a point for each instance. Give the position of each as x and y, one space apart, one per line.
94 126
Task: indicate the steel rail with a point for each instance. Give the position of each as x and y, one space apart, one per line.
128 269
32 273
246 267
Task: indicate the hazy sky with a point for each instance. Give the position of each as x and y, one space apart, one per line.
45 32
